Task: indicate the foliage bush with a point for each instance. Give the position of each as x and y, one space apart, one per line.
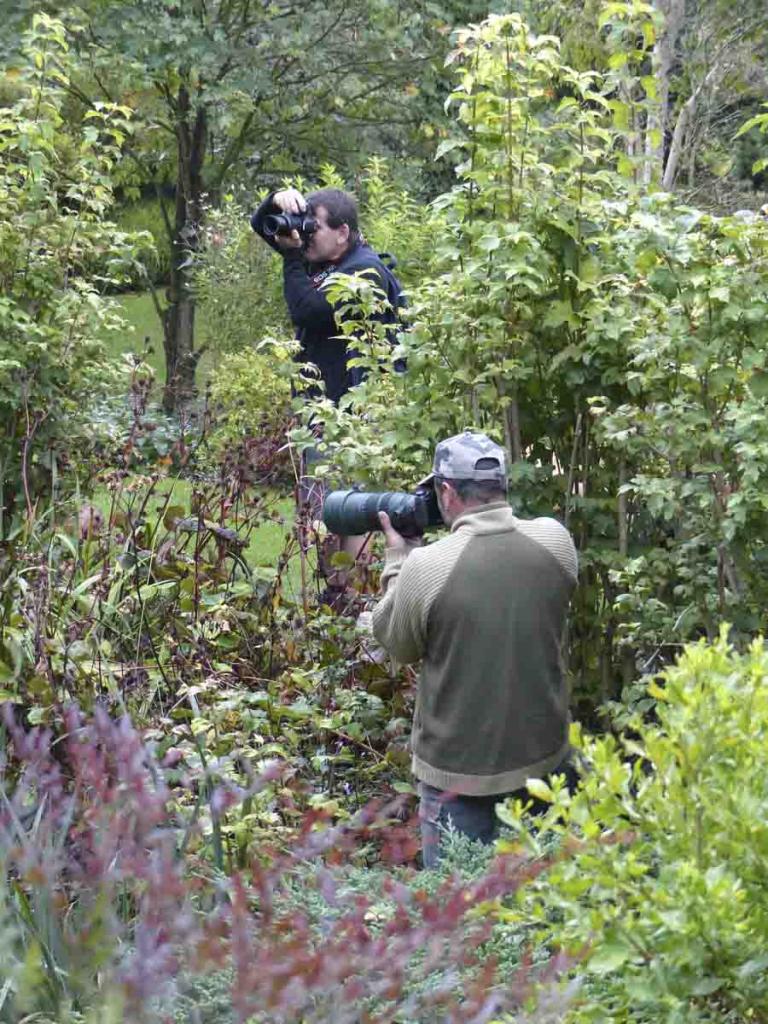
250 406
690 427
608 336
661 877
109 912
55 192
130 432
397 222
145 218
122 583
238 279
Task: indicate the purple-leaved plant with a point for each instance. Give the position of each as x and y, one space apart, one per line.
111 906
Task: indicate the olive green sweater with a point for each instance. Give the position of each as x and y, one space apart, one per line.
484 609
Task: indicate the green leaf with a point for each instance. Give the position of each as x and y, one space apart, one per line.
620 114
706 986
758 384
758 121
649 34
570 352
618 60
758 965
172 514
650 84
540 790
489 243
447 146
608 957
560 312
625 166
87 584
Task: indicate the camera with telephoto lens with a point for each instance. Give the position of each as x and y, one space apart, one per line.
352 512
284 223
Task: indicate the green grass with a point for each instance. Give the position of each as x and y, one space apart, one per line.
138 309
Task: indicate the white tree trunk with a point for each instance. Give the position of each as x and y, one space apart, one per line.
684 124
658 109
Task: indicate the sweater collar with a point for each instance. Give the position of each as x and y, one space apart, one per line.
490 518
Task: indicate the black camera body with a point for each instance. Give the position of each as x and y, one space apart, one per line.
352 512
284 223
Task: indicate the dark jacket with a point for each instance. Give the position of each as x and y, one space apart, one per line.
313 315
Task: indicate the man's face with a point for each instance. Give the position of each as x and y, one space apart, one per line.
327 243
448 502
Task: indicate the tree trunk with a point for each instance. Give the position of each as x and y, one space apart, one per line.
658 111
684 127
692 149
684 120
512 436
181 358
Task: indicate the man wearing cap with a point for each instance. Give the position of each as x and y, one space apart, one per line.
483 609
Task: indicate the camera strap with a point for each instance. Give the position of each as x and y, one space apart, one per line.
320 276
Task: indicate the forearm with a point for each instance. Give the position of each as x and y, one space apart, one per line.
307 306
396 617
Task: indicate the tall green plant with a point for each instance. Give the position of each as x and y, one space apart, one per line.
238 279
693 427
610 337
55 192
661 885
522 317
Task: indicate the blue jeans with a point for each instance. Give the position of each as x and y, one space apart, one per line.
473 816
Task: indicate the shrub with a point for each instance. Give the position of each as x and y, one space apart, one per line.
250 408
238 280
109 603
55 192
106 914
398 223
145 217
664 848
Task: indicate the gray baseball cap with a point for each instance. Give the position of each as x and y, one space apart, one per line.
457 458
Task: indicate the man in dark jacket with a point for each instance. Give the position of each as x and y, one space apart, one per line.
334 247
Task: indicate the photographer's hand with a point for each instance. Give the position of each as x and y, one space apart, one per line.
290 200
397 544
292 241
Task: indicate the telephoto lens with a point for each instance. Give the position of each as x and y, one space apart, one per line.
353 512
